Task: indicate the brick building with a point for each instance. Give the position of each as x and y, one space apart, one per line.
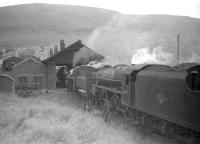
33 73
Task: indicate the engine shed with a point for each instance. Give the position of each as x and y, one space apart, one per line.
73 55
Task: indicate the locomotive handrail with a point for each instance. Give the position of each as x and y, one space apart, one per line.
108 79
108 89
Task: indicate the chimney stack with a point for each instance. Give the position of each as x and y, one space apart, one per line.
62 45
51 52
55 49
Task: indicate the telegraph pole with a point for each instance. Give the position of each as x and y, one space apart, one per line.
178 48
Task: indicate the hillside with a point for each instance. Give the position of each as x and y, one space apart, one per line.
114 35
44 24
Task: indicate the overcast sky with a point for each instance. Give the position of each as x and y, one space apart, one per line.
171 7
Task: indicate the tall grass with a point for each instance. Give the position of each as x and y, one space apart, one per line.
56 119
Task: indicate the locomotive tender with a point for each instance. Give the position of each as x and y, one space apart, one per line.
167 98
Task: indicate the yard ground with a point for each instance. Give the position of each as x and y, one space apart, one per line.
55 118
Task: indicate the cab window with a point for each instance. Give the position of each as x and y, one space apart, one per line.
127 79
193 80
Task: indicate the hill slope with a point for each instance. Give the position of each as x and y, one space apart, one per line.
44 24
114 35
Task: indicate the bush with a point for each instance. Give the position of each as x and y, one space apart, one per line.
25 87
24 91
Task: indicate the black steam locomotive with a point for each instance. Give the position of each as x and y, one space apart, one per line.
164 98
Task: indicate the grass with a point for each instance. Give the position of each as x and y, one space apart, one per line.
56 119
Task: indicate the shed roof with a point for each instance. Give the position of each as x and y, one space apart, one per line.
66 56
13 59
29 58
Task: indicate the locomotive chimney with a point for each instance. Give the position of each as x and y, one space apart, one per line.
62 45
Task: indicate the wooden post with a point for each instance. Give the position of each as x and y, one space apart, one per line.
178 49
13 85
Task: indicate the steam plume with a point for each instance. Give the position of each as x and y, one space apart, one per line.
158 56
85 55
146 39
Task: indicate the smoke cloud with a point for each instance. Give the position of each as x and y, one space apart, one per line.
129 39
192 59
25 52
85 55
113 41
157 56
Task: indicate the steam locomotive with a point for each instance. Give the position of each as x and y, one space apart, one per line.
162 97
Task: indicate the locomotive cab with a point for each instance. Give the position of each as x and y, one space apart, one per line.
127 83
129 79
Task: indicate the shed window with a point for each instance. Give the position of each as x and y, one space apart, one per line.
23 80
37 81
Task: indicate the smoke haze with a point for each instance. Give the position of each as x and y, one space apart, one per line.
84 55
127 39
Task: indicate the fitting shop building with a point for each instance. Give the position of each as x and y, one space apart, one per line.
31 72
